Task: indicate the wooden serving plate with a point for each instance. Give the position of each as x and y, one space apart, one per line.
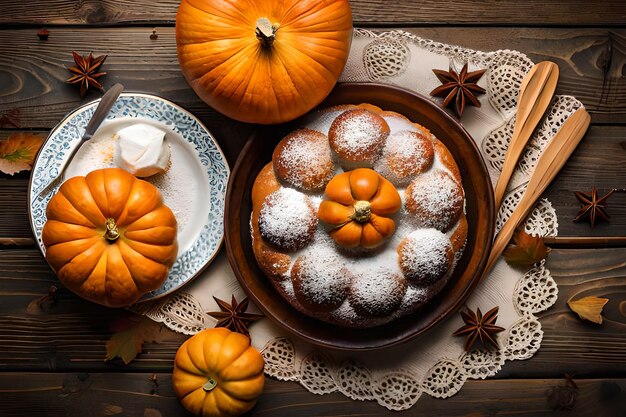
480 216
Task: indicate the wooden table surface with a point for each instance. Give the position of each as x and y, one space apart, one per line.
52 359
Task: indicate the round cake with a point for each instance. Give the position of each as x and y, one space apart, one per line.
360 217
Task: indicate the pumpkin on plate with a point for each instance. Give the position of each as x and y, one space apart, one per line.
263 61
217 373
109 237
357 204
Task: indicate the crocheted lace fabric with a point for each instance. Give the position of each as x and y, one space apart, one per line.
434 364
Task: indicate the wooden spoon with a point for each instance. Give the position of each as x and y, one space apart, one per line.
534 98
549 164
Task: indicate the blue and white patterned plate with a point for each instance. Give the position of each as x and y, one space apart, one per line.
196 150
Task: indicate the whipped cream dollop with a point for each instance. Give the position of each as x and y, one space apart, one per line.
141 150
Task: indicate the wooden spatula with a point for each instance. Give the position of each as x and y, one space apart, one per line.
534 98
549 164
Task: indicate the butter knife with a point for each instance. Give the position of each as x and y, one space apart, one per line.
101 112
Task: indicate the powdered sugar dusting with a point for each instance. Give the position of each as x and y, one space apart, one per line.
377 293
308 160
287 219
321 279
425 255
405 154
414 297
348 316
437 197
435 191
321 120
397 123
404 145
357 133
287 287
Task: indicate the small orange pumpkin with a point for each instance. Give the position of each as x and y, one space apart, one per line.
263 61
218 374
357 204
109 237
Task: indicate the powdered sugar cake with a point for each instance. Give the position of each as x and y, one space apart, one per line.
358 287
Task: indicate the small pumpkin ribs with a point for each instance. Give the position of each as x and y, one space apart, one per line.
218 374
358 204
109 237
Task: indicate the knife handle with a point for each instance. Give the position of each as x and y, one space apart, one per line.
102 110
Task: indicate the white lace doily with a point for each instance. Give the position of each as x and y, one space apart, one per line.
434 364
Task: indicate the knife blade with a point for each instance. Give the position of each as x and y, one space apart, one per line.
102 110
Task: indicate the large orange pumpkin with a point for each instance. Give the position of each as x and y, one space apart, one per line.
218 374
263 61
109 237
356 204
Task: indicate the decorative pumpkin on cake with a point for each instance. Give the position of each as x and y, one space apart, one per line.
357 203
218 374
263 61
109 237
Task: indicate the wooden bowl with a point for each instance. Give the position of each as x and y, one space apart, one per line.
480 216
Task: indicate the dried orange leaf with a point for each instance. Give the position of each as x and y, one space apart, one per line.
127 343
18 151
589 308
525 249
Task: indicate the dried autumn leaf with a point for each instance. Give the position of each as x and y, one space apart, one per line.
131 334
18 151
526 249
589 308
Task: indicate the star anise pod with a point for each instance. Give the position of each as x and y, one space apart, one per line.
85 71
458 88
592 206
479 328
233 316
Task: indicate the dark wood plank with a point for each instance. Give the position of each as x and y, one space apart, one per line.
92 394
14 221
600 161
71 335
569 344
33 92
429 12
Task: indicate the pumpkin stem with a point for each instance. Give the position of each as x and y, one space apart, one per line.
265 31
111 233
209 385
362 211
